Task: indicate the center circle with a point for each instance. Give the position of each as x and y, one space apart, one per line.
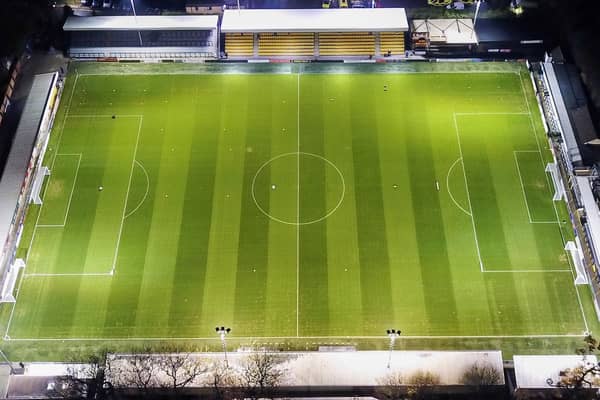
286 188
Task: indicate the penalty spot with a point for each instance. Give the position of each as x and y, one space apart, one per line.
273 187
100 188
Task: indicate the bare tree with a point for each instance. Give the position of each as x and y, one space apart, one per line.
580 382
85 377
224 381
420 382
261 373
483 374
416 386
391 387
138 370
180 368
67 387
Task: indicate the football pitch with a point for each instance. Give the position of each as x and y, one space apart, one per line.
297 206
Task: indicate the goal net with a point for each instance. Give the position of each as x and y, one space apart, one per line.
559 189
7 296
574 249
37 184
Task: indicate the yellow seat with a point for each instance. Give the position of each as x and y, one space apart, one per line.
286 44
392 42
239 44
346 43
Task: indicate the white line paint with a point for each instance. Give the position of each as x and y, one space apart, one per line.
448 187
72 190
137 141
258 338
298 211
491 113
468 194
332 72
102 116
526 271
522 187
68 274
147 189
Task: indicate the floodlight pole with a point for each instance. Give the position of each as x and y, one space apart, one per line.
476 13
223 332
393 334
136 24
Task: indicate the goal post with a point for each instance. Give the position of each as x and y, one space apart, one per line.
559 189
8 287
574 249
38 182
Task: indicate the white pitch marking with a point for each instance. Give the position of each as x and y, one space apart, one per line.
522 186
448 187
137 140
72 190
298 209
211 338
468 195
147 189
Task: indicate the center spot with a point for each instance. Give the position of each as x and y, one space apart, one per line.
298 188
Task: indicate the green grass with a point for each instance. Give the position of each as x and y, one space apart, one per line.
198 236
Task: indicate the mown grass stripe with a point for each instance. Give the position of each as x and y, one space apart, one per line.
192 251
440 303
253 246
313 267
127 282
377 306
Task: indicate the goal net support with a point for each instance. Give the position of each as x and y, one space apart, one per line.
7 294
559 189
38 182
574 249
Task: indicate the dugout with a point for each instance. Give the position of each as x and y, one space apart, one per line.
444 37
314 33
143 37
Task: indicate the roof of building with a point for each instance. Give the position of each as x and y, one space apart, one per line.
533 372
447 31
315 20
143 22
15 170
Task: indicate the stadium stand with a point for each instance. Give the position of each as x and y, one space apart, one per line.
314 33
344 43
239 44
391 42
24 158
291 43
143 36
